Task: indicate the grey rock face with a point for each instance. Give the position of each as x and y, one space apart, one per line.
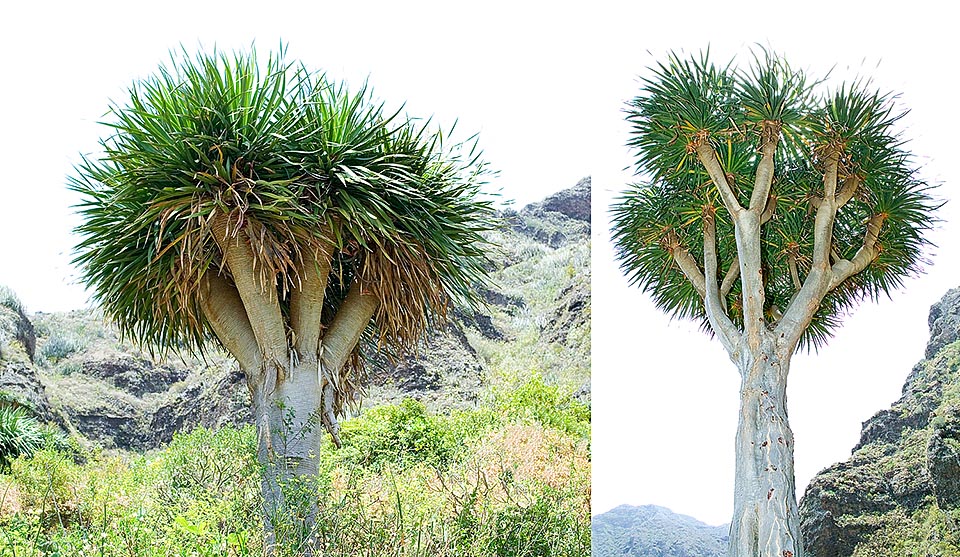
18 376
573 202
137 376
558 220
944 322
16 334
943 459
908 456
21 380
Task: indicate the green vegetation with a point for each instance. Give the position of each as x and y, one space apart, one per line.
928 531
503 480
20 434
59 346
9 299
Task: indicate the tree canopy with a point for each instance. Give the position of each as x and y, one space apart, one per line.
304 166
713 141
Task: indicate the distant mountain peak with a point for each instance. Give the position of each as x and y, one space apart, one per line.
655 531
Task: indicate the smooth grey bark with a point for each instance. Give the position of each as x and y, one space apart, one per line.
766 520
288 440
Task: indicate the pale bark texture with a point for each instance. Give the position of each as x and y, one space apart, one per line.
766 521
292 368
766 517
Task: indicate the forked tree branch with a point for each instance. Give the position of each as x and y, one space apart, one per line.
348 324
824 276
259 300
689 267
716 313
769 138
844 269
708 157
826 211
850 186
339 341
730 278
223 309
794 273
306 297
769 210
747 235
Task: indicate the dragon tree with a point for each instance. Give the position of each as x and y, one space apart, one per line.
261 207
769 207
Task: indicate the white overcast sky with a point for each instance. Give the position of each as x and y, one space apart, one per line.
544 85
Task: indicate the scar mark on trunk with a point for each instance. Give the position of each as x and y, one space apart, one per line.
770 494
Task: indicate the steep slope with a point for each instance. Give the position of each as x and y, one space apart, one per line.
652 531
899 493
103 387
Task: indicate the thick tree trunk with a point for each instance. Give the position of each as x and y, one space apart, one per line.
288 440
766 521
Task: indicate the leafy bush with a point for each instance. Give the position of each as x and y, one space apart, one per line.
44 482
542 528
20 434
402 434
549 405
59 346
8 298
203 461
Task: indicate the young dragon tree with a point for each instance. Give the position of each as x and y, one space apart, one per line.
768 211
265 209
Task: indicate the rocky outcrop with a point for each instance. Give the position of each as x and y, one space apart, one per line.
559 219
907 463
119 399
446 374
19 382
944 322
137 376
573 202
18 340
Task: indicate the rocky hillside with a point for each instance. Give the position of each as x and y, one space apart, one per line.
652 531
72 368
899 493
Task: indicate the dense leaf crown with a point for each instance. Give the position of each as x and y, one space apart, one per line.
291 157
686 101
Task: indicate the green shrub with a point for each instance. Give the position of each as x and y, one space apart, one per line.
547 404
542 528
403 434
20 434
44 483
204 462
59 346
8 298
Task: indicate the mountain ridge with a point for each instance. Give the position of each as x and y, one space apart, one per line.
655 531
